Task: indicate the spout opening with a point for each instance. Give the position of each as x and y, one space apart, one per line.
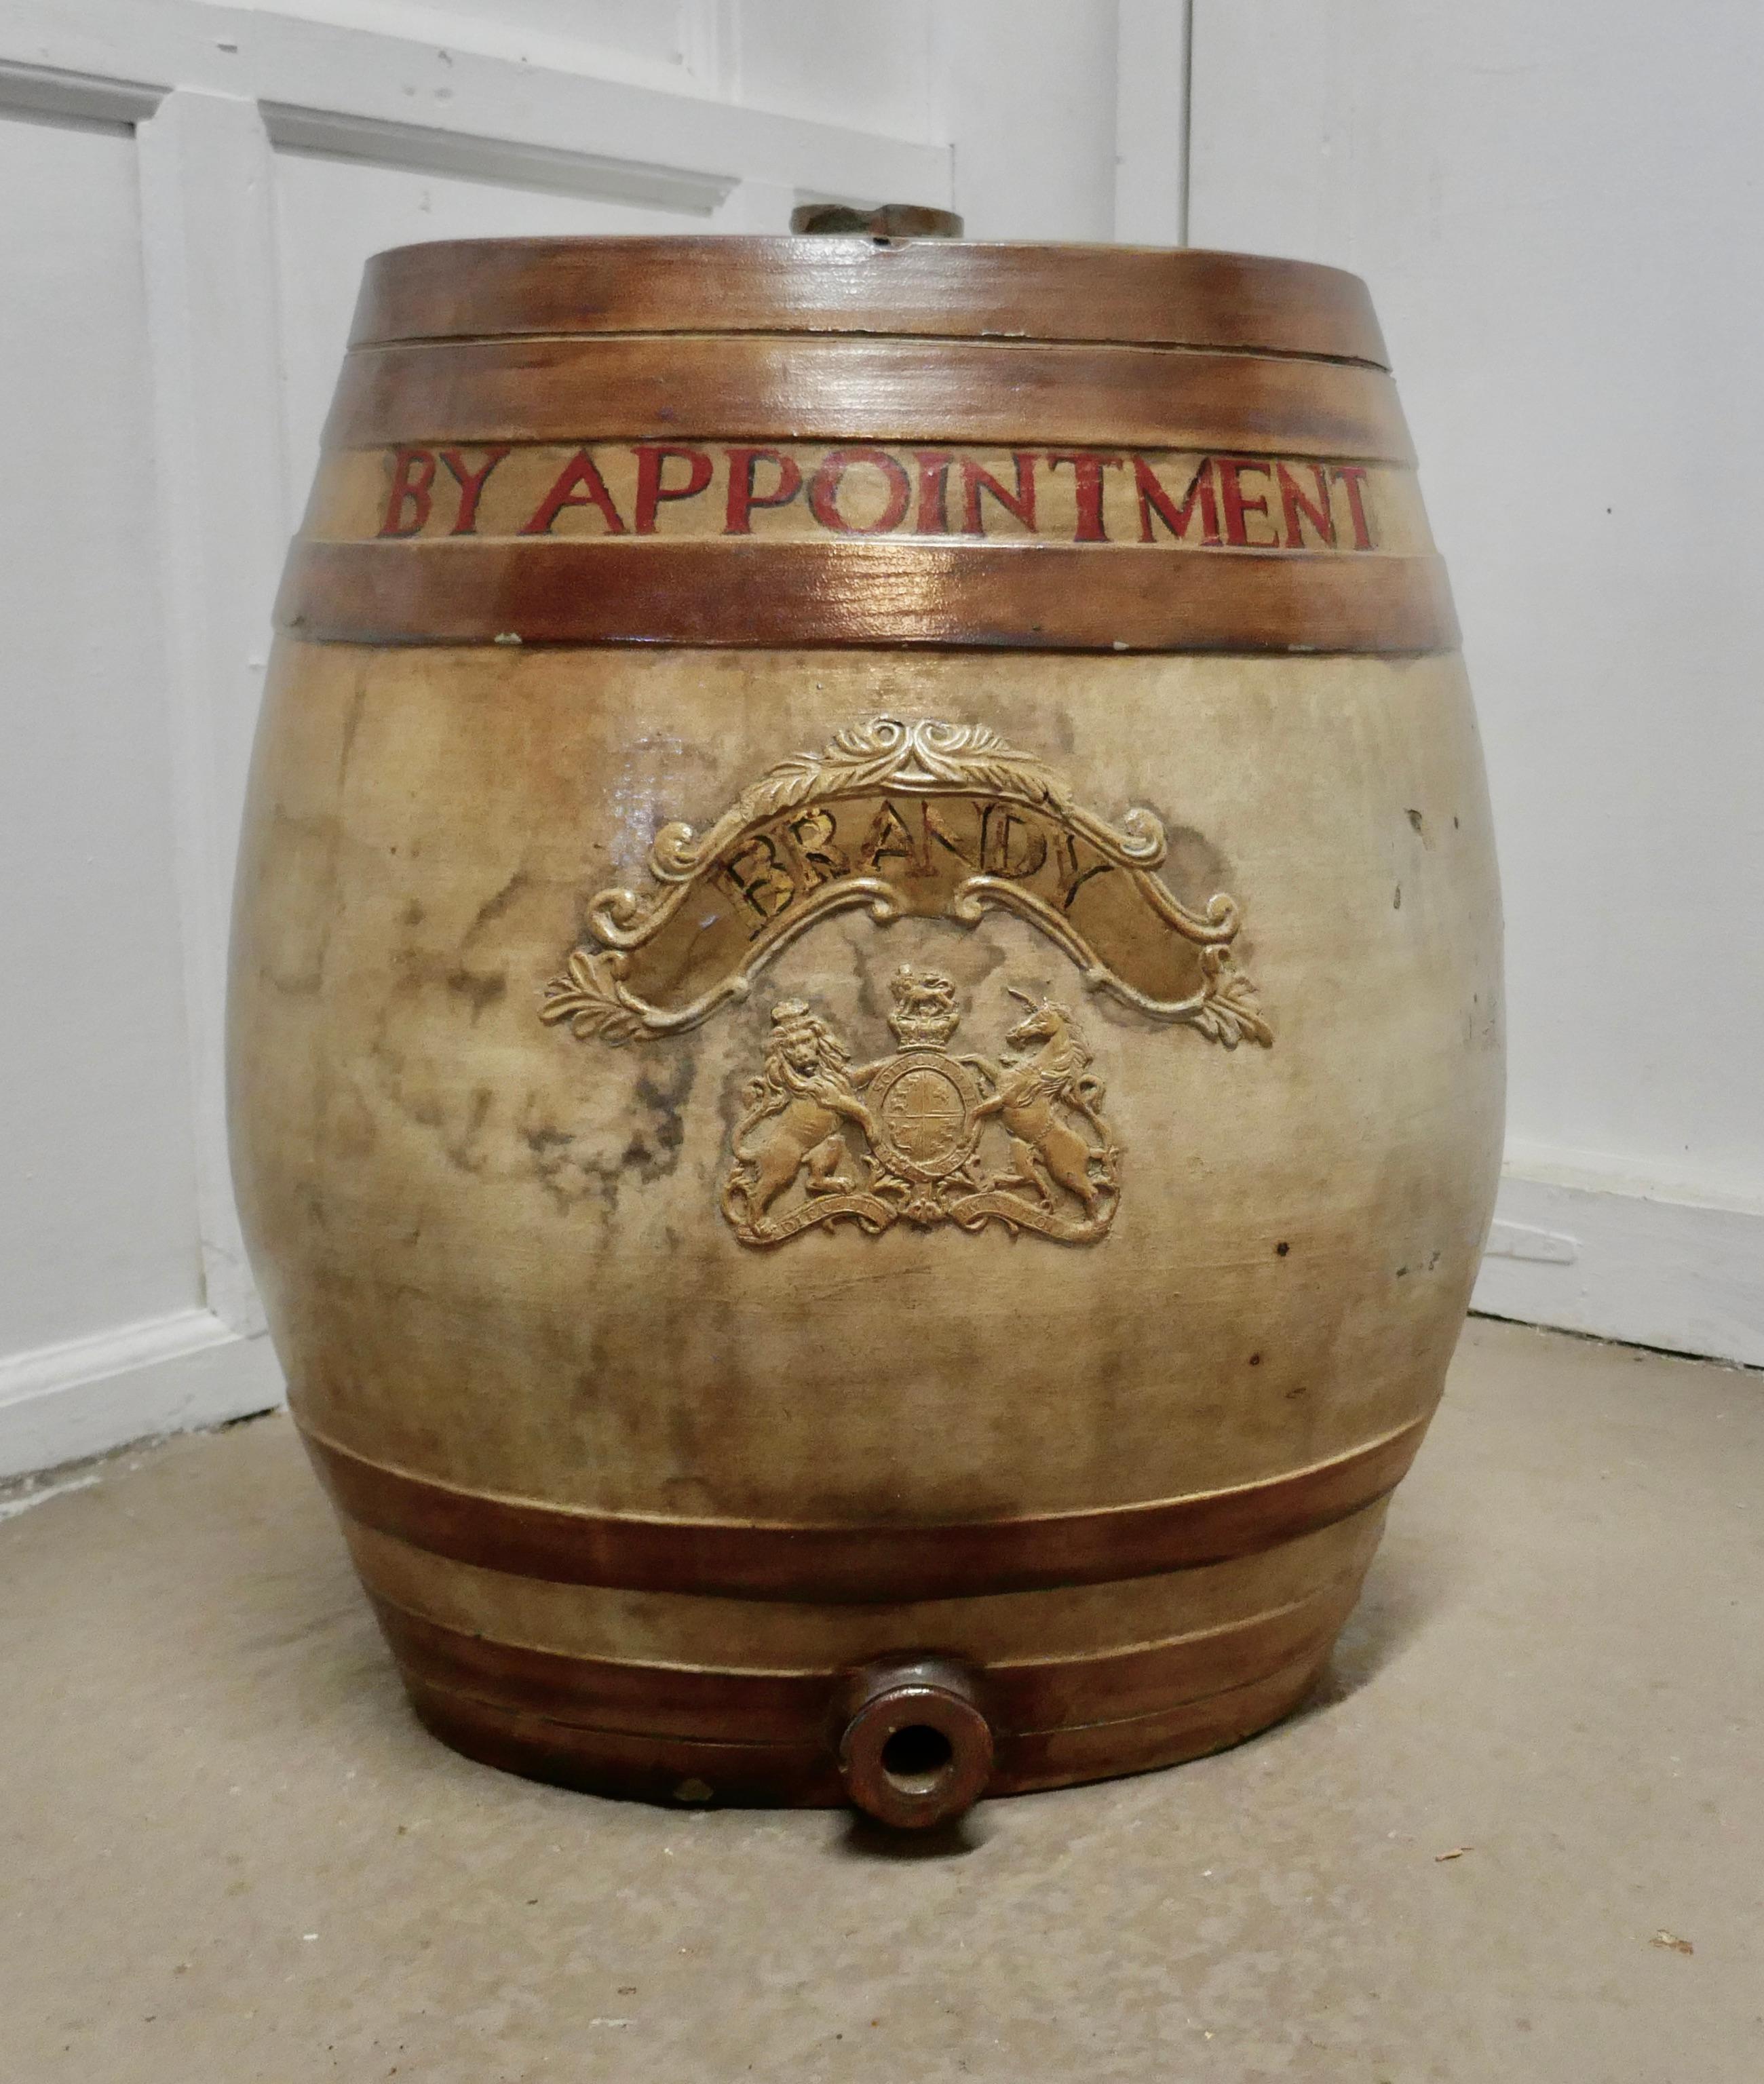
917 1748
915 1758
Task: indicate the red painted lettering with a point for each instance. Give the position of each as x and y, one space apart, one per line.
1230 471
1154 499
976 479
1087 481
653 459
579 484
823 492
1294 504
413 474
742 498
471 484
933 484
1353 476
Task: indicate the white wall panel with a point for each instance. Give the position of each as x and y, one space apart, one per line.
654 38
863 62
1557 209
1152 85
1026 91
97 1219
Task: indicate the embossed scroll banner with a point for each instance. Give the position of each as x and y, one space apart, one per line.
902 818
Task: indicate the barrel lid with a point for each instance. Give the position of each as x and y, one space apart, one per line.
929 289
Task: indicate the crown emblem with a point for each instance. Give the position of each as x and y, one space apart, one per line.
924 1014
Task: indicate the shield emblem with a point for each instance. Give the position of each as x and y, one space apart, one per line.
923 1103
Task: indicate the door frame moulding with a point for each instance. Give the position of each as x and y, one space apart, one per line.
397 89
326 134
75 97
224 508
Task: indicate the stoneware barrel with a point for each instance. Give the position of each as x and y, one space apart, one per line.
866 1023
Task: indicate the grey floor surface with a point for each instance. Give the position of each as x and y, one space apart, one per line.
1516 1837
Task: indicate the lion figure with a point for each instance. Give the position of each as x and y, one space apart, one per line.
795 1113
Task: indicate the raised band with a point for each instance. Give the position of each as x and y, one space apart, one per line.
843 1564
788 1707
741 387
804 1775
1031 596
929 289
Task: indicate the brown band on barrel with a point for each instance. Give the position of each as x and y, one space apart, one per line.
779 1707
649 1768
1057 1758
565 1545
1028 597
741 389
803 1775
928 290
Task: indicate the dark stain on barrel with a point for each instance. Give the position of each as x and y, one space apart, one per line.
479 988
352 723
654 1150
494 908
1193 867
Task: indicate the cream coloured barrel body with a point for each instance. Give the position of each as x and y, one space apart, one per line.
867 1008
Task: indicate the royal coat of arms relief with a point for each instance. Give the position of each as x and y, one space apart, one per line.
912 817
925 1136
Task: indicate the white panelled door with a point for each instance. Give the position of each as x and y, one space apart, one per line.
98 1222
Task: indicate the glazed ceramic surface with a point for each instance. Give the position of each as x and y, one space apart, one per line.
867 1026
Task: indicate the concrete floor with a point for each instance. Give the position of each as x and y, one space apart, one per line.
229 1855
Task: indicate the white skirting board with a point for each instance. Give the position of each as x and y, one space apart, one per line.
172 1375
1580 1255
1575 1255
